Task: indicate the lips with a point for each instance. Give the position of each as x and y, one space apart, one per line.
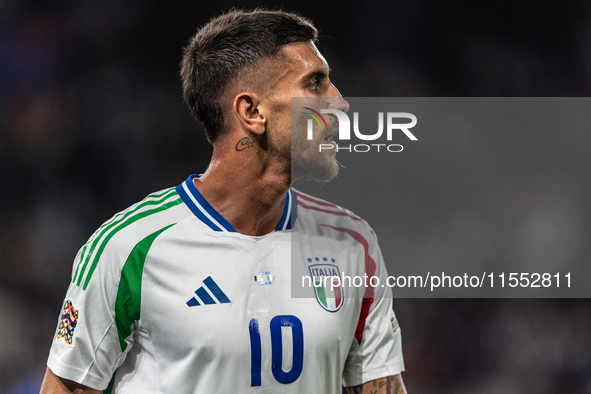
327 139
332 127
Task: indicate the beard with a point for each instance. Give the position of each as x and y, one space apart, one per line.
314 168
308 162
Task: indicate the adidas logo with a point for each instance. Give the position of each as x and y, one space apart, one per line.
205 297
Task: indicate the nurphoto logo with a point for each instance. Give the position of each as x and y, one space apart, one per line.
392 125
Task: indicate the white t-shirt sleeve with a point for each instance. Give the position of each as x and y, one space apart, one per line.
379 353
102 308
86 347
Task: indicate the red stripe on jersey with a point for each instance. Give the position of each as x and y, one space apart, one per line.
362 317
324 203
338 297
370 270
338 213
315 201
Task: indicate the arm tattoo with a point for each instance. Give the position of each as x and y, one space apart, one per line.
388 385
354 390
243 144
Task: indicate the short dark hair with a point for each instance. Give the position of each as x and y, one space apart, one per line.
225 48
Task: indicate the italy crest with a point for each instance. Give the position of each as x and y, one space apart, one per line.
327 286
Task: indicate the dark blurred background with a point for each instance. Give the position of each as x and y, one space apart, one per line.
92 120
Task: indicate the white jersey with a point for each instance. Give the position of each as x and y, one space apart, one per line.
167 297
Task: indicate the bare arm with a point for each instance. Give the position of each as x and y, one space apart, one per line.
387 385
53 384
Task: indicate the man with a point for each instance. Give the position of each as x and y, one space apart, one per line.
163 298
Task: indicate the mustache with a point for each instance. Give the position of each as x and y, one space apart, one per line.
331 119
333 127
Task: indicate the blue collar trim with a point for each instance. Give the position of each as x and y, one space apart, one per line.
205 212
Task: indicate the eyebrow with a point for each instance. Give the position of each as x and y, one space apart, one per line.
318 73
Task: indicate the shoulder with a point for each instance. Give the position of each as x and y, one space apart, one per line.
110 245
316 211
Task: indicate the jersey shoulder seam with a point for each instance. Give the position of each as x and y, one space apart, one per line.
311 203
149 214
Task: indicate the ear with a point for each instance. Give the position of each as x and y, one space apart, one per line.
249 112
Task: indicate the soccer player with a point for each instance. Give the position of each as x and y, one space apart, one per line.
189 290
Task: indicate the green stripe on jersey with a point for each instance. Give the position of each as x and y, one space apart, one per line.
152 199
321 294
128 301
114 221
108 237
108 232
109 389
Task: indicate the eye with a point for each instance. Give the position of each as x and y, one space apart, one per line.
314 85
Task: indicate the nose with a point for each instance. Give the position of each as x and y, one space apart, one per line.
336 101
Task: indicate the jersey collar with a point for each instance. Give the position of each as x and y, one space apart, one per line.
205 212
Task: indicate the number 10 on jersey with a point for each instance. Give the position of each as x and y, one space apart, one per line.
276 349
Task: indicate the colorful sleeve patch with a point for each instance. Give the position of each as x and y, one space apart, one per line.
394 322
68 322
